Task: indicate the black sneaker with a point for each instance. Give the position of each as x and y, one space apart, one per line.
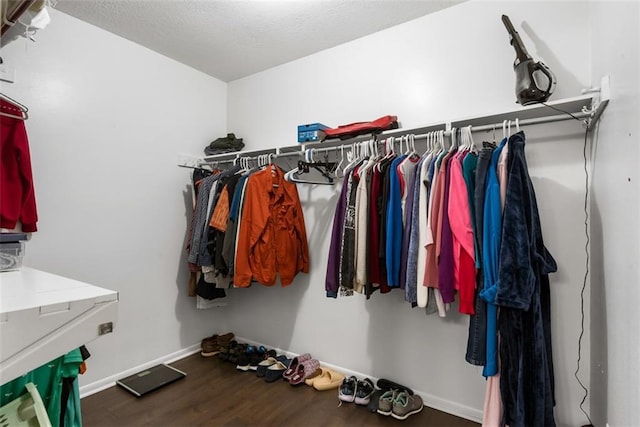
244 361
347 390
364 390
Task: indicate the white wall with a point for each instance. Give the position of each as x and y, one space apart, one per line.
107 118
452 64
615 210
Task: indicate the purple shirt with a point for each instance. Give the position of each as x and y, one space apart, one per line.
333 264
445 263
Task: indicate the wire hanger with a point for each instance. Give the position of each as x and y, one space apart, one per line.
18 107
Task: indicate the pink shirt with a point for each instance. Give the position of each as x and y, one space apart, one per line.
463 246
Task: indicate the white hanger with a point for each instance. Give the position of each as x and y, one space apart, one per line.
454 140
470 145
509 128
504 129
339 172
517 125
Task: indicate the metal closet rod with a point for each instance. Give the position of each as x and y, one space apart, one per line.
239 156
400 132
482 128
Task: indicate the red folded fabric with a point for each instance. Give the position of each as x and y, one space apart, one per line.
360 128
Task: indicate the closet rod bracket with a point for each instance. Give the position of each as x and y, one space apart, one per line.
599 102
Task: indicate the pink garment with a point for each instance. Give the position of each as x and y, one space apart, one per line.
502 173
464 271
492 414
435 222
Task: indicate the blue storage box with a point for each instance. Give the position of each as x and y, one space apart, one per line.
311 133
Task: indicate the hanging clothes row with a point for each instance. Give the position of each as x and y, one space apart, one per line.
247 225
456 221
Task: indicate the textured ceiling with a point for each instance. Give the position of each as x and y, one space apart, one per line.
231 39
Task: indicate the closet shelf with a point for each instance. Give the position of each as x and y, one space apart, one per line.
43 316
589 106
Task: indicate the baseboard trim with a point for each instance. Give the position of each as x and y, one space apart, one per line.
435 402
105 383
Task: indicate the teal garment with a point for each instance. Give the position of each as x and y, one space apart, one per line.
469 165
48 380
490 259
73 414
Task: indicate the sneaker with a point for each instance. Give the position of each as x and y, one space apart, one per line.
385 403
236 351
225 349
405 405
364 390
243 362
347 390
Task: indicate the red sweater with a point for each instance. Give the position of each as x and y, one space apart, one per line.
17 197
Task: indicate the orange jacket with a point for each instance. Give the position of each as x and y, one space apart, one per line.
272 237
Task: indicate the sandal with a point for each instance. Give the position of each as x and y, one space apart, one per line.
318 374
274 372
293 367
328 380
262 367
304 370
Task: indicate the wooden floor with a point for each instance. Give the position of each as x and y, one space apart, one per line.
214 393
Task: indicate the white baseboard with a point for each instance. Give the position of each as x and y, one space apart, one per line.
96 386
435 402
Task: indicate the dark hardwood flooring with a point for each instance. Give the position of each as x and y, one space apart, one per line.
214 393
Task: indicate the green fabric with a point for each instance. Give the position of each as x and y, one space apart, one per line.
48 380
73 414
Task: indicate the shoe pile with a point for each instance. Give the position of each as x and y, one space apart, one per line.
214 344
385 398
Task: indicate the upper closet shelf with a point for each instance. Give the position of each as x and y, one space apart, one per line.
43 316
588 107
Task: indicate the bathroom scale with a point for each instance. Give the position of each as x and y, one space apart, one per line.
150 379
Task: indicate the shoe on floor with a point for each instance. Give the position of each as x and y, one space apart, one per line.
373 401
385 384
312 378
274 372
406 405
214 344
385 403
293 367
306 369
347 390
364 390
209 347
259 356
262 367
243 362
328 380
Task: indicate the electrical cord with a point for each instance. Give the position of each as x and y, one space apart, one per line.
586 250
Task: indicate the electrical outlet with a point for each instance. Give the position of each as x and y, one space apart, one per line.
105 328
